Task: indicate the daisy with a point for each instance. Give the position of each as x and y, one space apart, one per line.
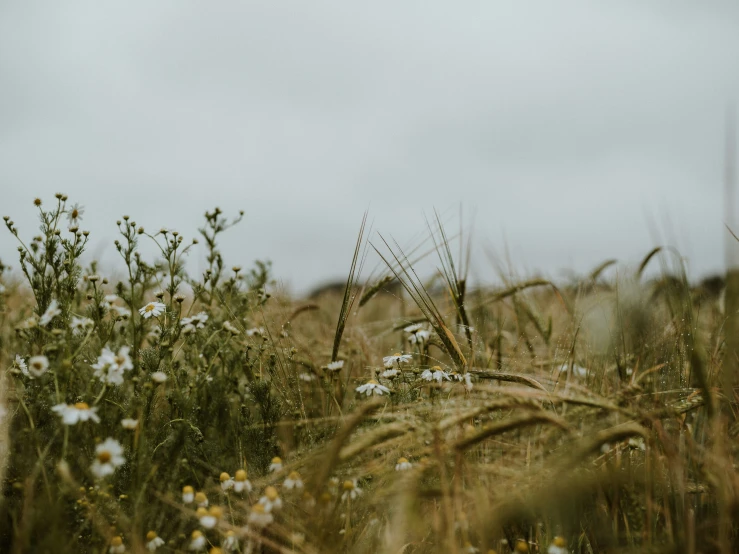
230 543
226 481
419 337
276 464
80 411
196 321
307 377
152 309
109 455
153 541
293 481
123 313
413 328
188 494
74 213
110 298
159 377
558 546
20 363
231 328
258 331
467 378
390 373
372 387
335 366
209 518
201 500
116 546
241 483
37 366
271 500
403 464
398 359
259 516
129 424
435 374
351 490
110 366
51 312
78 325
197 540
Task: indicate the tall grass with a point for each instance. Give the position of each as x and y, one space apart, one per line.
539 417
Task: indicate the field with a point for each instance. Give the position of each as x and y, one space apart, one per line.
148 410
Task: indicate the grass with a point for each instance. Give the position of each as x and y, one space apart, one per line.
590 416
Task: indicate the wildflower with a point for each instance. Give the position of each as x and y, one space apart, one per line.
153 541
390 373
558 546
80 411
51 312
78 325
111 366
403 464
468 382
372 387
129 424
521 546
197 540
258 331
188 329
159 377
20 363
309 501
241 483
435 374
228 326
74 214
209 518
109 455
116 546
201 500
260 516
230 543
413 328
276 464
196 321
293 481
577 371
123 313
469 549
37 366
271 500
188 494
307 377
335 366
110 298
226 481
419 337
351 490
152 309
398 359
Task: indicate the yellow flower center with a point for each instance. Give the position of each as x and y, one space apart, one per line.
187 489
348 485
258 508
117 541
104 457
200 497
151 535
402 460
276 460
75 214
224 477
120 360
560 542
271 493
149 308
216 512
200 512
294 475
372 382
240 475
196 534
82 406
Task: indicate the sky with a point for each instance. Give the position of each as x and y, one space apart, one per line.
564 133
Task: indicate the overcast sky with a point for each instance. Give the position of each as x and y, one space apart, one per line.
575 131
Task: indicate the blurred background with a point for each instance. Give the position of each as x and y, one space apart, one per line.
563 133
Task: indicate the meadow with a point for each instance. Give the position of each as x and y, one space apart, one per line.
149 410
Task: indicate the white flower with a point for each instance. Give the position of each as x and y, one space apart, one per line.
558 546
122 312
74 213
390 373
372 387
153 541
468 382
413 328
197 540
293 481
109 455
307 377
188 494
351 490
241 483
20 363
226 481
201 500
2 288
259 516
130 424
335 366
398 359
116 546
51 312
230 543
271 500
78 325
209 518
577 371
110 298
37 366
419 336
188 329
71 414
403 464
276 464
159 377
196 321
435 374
255 331
152 309
111 366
